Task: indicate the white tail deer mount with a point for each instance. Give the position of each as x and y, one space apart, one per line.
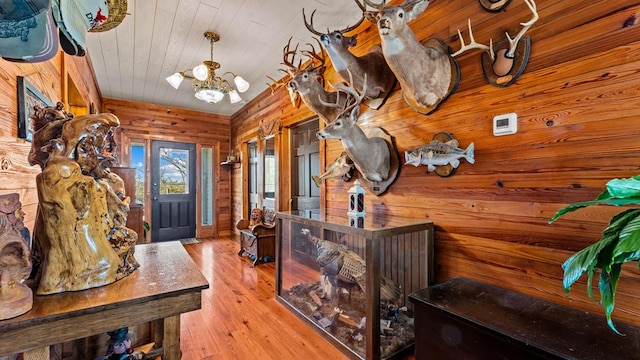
307 82
427 74
371 154
504 65
380 78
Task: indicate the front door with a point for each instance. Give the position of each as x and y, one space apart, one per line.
173 191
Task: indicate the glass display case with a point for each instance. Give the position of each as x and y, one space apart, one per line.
352 283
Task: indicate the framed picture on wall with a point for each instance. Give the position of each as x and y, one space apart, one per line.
28 97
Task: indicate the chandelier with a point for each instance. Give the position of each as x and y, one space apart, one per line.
206 84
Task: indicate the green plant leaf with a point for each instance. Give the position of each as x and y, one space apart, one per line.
604 201
580 262
620 220
624 188
607 286
628 247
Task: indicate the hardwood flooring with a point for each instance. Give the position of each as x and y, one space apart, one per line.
240 318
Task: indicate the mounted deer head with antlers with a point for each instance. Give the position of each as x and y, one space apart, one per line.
426 73
370 155
380 78
307 82
504 66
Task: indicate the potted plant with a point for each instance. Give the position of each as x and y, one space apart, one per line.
620 243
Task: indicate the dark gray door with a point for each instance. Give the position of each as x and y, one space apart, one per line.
305 163
173 190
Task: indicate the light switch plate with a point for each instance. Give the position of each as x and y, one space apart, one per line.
505 124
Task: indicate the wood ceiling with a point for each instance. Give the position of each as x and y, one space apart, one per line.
160 37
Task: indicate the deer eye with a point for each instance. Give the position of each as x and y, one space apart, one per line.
339 37
338 123
305 76
400 15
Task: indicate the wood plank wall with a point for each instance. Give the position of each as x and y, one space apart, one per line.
577 102
143 122
52 79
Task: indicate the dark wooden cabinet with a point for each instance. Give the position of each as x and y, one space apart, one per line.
467 319
135 220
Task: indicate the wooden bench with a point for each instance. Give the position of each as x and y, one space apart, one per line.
258 241
467 319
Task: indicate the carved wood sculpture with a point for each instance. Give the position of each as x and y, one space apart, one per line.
373 154
502 67
80 237
15 265
427 74
380 78
307 82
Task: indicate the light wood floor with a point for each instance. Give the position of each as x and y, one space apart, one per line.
240 318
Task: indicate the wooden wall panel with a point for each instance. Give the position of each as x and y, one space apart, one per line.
577 103
146 122
48 77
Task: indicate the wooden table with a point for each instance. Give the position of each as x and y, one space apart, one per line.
167 284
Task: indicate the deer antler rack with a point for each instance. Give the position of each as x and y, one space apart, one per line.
310 27
473 44
513 43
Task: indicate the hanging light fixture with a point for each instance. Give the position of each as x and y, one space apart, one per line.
206 84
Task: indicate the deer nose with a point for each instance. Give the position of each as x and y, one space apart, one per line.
324 38
319 136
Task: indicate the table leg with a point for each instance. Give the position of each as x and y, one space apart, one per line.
171 341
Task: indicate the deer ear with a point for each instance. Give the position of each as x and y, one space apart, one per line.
320 70
416 10
355 112
353 41
371 16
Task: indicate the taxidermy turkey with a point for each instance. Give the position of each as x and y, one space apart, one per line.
345 269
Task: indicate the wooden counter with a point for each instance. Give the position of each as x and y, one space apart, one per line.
167 284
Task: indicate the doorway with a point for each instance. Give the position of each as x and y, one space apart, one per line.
305 162
173 191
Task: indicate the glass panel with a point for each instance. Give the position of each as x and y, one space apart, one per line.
137 161
269 170
207 186
174 171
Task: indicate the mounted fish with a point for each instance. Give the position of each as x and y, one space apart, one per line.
342 167
380 78
426 72
442 155
306 82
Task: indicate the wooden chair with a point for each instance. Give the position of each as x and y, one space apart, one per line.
258 236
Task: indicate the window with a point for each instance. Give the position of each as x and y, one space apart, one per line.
269 170
207 186
137 161
174 170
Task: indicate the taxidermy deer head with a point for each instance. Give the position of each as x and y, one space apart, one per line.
508 62
380 78
424 71
307 82
370 155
